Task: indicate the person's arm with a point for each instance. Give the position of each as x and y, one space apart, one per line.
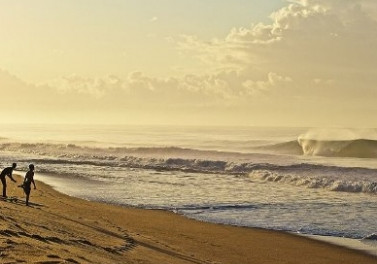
24 181
11 177
35 187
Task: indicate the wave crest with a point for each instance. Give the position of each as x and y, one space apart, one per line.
358 148
52 157
364 186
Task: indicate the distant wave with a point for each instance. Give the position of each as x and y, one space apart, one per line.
215 207
334 184
54 157
358 148
74 149
291 147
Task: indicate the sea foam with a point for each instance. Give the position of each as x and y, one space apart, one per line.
50 157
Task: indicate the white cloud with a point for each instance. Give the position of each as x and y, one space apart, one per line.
314 56
96 87
306 40
274 81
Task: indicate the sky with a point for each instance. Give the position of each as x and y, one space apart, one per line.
189 62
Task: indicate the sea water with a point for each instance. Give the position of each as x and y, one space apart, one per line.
316 182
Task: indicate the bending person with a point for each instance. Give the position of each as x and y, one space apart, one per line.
7 172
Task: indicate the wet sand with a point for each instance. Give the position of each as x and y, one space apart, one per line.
57 228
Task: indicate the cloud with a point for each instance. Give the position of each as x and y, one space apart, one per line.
315 59
306 40
311 32
306 44
14 89
273 81
96 87
140 88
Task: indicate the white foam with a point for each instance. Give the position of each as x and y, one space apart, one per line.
318 181
369 247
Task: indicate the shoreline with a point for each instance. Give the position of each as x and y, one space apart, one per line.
369 247
64 229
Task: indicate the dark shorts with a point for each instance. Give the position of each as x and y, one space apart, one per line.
27 189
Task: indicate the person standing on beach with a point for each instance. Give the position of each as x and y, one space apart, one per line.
7 172
29 178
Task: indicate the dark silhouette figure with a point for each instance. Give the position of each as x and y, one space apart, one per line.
7 172
29 178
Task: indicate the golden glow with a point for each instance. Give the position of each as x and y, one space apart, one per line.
293 63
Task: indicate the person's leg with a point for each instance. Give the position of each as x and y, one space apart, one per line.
27 192
4 182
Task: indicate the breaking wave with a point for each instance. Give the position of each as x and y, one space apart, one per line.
330 183
52 158
358 148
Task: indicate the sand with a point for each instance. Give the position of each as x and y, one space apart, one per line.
57 228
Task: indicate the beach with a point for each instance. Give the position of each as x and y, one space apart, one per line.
57 228
189 131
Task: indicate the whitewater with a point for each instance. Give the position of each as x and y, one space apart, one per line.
307 181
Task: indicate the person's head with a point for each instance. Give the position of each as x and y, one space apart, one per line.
14 165
31 167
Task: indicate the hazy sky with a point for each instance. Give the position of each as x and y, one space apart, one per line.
203 62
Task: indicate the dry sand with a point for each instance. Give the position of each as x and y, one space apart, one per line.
60 229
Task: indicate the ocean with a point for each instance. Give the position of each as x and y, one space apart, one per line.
302 180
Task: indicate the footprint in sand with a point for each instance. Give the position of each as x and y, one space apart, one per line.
72 261
61 261
8 233
57 261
